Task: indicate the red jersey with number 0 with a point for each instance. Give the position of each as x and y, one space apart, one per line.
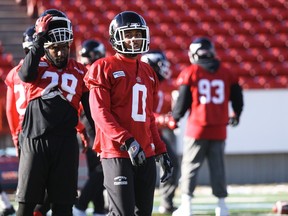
210 97
123 93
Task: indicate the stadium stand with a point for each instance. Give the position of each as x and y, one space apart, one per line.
253 34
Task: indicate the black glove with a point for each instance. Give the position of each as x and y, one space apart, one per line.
42 24
166 166
233 121
136 153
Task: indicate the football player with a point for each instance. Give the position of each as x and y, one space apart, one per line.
123 94
54 83
15 107
206 89
90 51
16 94
159 62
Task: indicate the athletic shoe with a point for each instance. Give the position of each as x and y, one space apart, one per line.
183 210
163 210
221 209
8 211
78 212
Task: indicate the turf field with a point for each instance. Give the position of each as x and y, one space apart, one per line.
243 200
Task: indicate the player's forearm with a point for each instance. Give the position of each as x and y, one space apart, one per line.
183 102
236 98
29 68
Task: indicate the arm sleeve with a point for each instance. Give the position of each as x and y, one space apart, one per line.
236 98
183 102
28 71
87 110
100 109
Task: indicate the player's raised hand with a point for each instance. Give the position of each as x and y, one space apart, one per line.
42 24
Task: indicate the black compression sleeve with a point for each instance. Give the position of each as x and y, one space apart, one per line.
86 107
236 98
28 71
183 102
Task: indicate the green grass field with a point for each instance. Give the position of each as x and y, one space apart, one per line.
243 200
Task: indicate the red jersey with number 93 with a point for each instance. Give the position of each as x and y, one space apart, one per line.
69 81
210 97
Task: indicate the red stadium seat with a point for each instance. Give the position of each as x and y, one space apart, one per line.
250 36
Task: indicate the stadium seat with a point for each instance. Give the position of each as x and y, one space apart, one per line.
251 83
228 5
250 36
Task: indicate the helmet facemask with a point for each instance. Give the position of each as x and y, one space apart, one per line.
119 39
199 51
60 31
128 21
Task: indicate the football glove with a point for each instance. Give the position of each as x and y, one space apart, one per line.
42 24
136 153
233 121
166 166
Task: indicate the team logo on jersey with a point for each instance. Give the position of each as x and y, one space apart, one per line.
43 64
79 71
118 74
120 180
138 79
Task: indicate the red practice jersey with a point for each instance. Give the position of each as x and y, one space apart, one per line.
164 104
15 101
123 94
68 80
210 98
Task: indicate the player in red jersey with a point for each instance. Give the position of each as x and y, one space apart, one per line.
158 61
16 94
48 142
206 89
15 108
90 51
123 95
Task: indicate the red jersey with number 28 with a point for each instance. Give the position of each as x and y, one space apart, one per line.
210 97
68 80
123 93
